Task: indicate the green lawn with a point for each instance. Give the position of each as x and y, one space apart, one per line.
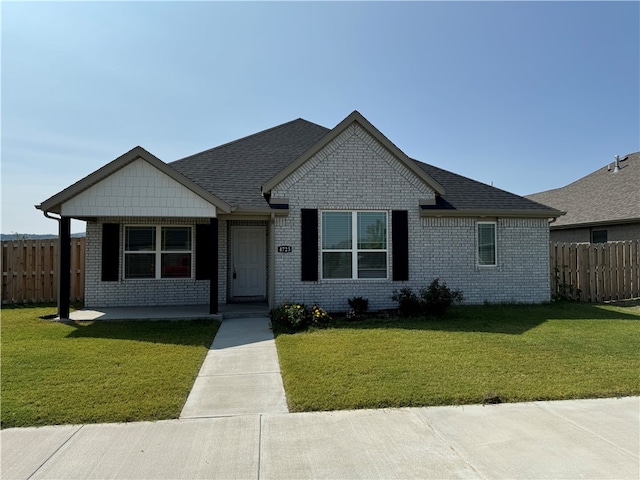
53 373
517 353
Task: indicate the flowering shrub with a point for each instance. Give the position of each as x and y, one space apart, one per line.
294 317
319 318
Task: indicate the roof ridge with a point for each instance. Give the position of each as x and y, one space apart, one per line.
246 138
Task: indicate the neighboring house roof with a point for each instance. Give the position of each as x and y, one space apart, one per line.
53 204
605 196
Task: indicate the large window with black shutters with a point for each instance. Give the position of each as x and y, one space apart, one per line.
354 244
157 252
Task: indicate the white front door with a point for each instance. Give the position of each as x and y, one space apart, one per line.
248 270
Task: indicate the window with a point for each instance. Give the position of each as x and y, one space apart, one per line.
354 245
599 236
157 252
486 244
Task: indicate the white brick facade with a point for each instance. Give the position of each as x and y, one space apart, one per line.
142 292
354 172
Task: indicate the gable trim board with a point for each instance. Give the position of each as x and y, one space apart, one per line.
353 168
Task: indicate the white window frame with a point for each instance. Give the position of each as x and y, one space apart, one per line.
495 245
354 250
157 252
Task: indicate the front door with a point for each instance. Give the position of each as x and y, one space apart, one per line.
248 269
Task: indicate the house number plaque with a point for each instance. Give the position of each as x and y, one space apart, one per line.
284 249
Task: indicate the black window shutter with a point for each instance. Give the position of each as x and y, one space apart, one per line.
400 240
110 252
203 252
309 244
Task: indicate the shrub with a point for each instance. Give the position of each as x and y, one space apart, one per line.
409 304
295 317
438 298
359 307
319 318
290 317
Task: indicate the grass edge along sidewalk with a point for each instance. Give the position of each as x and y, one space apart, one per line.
477 354
94 372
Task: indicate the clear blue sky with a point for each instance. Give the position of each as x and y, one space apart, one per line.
529 96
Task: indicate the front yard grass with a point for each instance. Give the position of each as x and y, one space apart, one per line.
54 373
475 354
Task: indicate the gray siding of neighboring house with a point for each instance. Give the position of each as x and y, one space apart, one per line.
143 292
354 172
615 233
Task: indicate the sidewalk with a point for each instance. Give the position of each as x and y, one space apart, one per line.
240 374
564 439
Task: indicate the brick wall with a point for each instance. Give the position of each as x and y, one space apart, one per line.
615 233
140 292
355 172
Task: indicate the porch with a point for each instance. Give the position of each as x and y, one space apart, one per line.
188 312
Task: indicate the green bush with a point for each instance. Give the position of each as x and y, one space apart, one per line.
433 301
409 304
359 308
437 298
319 318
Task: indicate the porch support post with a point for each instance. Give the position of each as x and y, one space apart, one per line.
213 258
64 259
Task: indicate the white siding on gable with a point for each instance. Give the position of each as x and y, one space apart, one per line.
138 189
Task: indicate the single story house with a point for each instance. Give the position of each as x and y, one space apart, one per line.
603 206
303 213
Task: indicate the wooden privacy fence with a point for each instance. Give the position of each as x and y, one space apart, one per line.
30 271
596 272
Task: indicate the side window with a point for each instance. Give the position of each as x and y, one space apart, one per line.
599 236
157 252
487 245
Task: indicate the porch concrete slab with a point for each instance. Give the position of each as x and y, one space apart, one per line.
362 444
25 450
215 448
221 395
242 360
539 440
188 312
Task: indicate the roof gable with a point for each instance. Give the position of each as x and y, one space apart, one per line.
357 118
122 163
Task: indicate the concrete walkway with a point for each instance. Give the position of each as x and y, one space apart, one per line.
541 440
240 374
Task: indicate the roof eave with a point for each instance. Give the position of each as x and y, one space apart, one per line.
356 117
602 223
491 213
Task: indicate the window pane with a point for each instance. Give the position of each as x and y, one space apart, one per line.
336 230
140 265
486 244
176 238
176 265
372 265
140 239
336 265
372 230
599 236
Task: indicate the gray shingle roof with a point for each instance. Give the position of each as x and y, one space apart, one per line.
601 196
235 172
